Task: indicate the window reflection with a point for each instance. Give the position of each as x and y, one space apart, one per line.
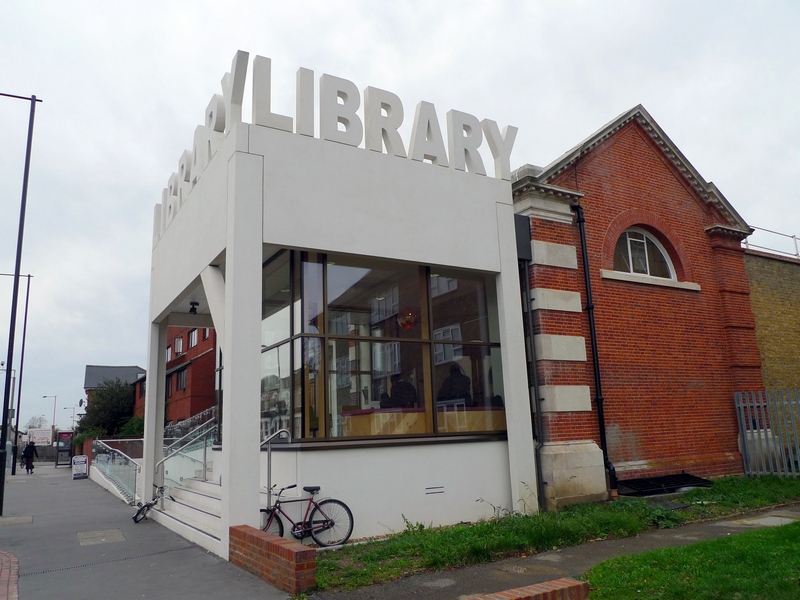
373 298
309 398
375 388
275 300
312 293
469 393
460 308
276 385
360 347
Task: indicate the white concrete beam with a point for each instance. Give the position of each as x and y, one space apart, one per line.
214 287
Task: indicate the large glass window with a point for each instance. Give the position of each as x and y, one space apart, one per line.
356 347
276 386
275 301
375 388
460 305
469 392
374 298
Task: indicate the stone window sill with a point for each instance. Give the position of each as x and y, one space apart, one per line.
648 280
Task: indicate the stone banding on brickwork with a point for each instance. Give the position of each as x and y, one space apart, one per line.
554 255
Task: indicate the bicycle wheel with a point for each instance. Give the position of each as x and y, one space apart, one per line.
271 521
331 523
141 513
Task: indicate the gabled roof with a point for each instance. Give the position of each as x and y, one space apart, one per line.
705 189
96 375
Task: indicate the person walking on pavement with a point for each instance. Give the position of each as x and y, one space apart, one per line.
28 453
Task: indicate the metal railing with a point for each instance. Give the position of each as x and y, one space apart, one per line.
184 427
796 253
188 455
190 436
268 442
119 468
769 422
133 447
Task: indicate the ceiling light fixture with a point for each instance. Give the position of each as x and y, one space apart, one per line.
193 309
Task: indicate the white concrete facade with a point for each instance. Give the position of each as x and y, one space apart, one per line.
248 190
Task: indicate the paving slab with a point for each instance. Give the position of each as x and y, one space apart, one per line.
74 539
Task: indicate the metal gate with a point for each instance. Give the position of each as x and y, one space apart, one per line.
769 422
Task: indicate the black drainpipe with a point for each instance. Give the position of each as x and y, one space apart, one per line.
612 472
524 260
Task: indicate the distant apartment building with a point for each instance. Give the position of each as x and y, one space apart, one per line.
97 375
189 386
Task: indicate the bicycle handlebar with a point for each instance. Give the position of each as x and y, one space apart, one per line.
283 489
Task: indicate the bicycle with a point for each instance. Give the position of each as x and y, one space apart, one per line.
329 522
145 508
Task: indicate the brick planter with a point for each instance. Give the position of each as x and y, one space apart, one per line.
283 563
558 589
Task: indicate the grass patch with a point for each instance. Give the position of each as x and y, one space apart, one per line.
753 565
420 548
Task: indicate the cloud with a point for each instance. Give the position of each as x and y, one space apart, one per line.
124 86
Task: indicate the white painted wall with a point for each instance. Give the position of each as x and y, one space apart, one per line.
382 485
334 197
198 232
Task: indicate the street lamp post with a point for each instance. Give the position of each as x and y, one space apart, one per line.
14 448
13 386
55 402
15 294
72 408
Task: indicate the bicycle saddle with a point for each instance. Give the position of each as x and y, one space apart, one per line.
311 489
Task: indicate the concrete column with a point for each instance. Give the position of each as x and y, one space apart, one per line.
241 379
154 405
521 461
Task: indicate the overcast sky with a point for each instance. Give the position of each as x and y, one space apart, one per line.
125 84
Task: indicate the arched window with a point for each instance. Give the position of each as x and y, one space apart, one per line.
640 253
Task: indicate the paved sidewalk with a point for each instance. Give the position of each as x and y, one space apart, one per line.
74 539
568 562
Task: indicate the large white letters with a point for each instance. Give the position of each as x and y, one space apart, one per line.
233 89
332 113
304 102
464 137
262 97
339 121
382 130
426 136
500 146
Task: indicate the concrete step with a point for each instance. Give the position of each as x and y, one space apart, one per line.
199 519
209 475
197 499
209 488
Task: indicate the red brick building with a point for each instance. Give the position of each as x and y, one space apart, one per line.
673 327
191 362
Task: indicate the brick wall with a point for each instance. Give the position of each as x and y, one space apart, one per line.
283 563
87 449
670 359
775 301
199 363
557 589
